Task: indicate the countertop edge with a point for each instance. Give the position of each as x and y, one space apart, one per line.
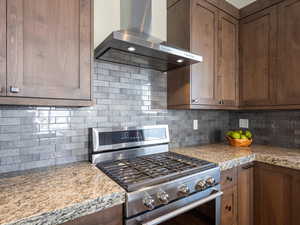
72 212
226 165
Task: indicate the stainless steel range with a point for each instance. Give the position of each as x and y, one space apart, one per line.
162 187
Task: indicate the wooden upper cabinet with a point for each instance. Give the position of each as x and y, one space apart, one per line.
288 77
202 28
258 58
227 60
2 47
204 41
49 46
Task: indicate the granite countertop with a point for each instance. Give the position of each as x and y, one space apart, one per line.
56 195
228 157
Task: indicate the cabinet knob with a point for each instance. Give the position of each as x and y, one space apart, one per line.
196 100
14 89
229 179
228 208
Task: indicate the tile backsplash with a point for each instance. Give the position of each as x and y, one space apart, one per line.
277 128
32 137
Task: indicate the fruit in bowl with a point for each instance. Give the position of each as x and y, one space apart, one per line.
239 138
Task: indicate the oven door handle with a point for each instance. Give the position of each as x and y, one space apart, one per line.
184 209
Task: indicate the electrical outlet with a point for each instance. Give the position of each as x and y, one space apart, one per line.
244 123
195 124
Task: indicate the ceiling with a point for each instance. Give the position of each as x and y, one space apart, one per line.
240 3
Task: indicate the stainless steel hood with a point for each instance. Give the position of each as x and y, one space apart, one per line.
133 45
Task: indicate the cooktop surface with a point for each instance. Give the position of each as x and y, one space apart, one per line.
133 174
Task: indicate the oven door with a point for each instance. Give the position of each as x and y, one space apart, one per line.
192 210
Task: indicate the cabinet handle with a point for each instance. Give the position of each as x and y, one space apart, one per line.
196 100
229 179
14 89
228 208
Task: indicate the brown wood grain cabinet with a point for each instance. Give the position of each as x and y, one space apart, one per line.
272 195
49 52
250 57
245 194
296 199
229 202
228 60
229 207
109 216
258 38
288 76
260 194
204 29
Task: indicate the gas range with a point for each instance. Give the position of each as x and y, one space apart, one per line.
160 184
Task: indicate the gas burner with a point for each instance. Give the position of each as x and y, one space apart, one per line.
140 172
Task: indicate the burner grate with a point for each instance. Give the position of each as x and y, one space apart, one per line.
139 172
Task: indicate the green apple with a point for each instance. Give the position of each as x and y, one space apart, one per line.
236 135
248 134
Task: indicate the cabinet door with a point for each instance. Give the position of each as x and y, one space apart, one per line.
288 77
204 37
258 58
49 49
272 196
229 207
296 199
227 60
2 47
245 194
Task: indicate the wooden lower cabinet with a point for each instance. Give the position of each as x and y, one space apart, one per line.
229 198
276 195
296 200
245 194
110 216
260 194
229 207
237 201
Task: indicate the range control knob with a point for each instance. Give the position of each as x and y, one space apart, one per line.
201 185
149 202
183 190
163 197
210 181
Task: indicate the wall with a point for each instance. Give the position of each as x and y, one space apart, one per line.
33 137
107 19
277 128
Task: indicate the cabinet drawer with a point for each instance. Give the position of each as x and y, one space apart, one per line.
229 207
228 178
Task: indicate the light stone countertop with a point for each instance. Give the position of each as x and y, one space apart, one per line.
56 195
228 157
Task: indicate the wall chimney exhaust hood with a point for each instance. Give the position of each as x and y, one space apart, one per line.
133 44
